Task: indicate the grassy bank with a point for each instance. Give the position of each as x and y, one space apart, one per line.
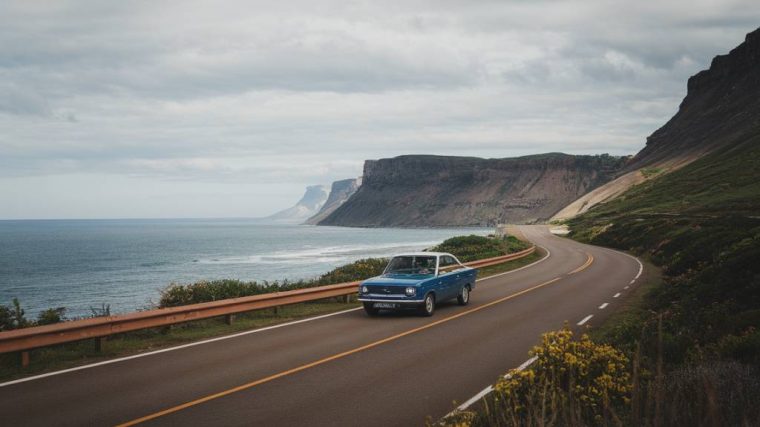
85 352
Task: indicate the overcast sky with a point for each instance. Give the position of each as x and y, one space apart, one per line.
229 109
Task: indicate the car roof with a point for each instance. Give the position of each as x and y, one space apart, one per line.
424 254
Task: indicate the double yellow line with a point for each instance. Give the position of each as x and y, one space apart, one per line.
343 354
584 266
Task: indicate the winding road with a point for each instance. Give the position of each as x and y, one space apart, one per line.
345 368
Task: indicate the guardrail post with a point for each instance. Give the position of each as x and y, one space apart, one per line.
100 343
229 318
275 310
346 299
24 359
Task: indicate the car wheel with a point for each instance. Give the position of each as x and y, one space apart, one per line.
428 307
370 308
464 296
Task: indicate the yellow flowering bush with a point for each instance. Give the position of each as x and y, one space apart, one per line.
571 382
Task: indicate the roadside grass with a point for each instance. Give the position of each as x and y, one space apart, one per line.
633 308
86 352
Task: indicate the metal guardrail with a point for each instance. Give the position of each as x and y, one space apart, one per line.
42 336
487 262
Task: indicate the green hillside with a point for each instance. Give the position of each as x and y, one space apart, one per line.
702 225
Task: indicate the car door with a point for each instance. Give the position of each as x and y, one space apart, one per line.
462 276
448 278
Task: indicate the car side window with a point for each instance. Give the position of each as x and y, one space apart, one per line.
446 264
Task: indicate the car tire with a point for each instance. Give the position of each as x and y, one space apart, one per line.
464 296
428 306
370 308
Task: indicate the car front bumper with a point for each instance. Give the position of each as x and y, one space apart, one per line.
384 299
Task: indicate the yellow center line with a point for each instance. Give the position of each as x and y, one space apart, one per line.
330 358
584 266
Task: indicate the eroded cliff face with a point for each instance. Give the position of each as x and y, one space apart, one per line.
340 191
721 107
436 191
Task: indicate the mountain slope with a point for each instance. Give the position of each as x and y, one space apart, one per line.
721 109
311 202
701 223
431 191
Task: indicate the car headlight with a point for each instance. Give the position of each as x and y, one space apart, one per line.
365 290
410 291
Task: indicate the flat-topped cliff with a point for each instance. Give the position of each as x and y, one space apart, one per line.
437 191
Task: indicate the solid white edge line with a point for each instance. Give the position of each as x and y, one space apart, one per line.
632 282
603 306
164 350
585 319
488 389
616 295
641 266
239 334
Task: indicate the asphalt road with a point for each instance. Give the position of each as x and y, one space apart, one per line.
345 369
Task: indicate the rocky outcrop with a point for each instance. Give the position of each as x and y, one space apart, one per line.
720 110
339 193
722 105
435 191
311 202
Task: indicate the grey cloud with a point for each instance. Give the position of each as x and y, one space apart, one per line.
294 93
23 101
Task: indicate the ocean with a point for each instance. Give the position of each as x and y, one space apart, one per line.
83 264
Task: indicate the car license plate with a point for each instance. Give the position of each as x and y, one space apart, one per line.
385 305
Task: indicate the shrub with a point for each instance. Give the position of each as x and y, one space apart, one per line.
51 316
578 382
103 311
359 270
204 291
6 319
471 248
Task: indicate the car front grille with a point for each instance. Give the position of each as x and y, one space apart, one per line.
386 290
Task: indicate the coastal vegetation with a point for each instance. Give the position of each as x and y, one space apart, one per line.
204 291
473 247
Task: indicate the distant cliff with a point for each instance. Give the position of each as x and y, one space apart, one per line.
339 193
434 191
311 202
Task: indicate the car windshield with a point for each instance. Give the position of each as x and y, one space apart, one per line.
409 264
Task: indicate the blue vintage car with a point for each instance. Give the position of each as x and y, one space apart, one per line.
418 280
